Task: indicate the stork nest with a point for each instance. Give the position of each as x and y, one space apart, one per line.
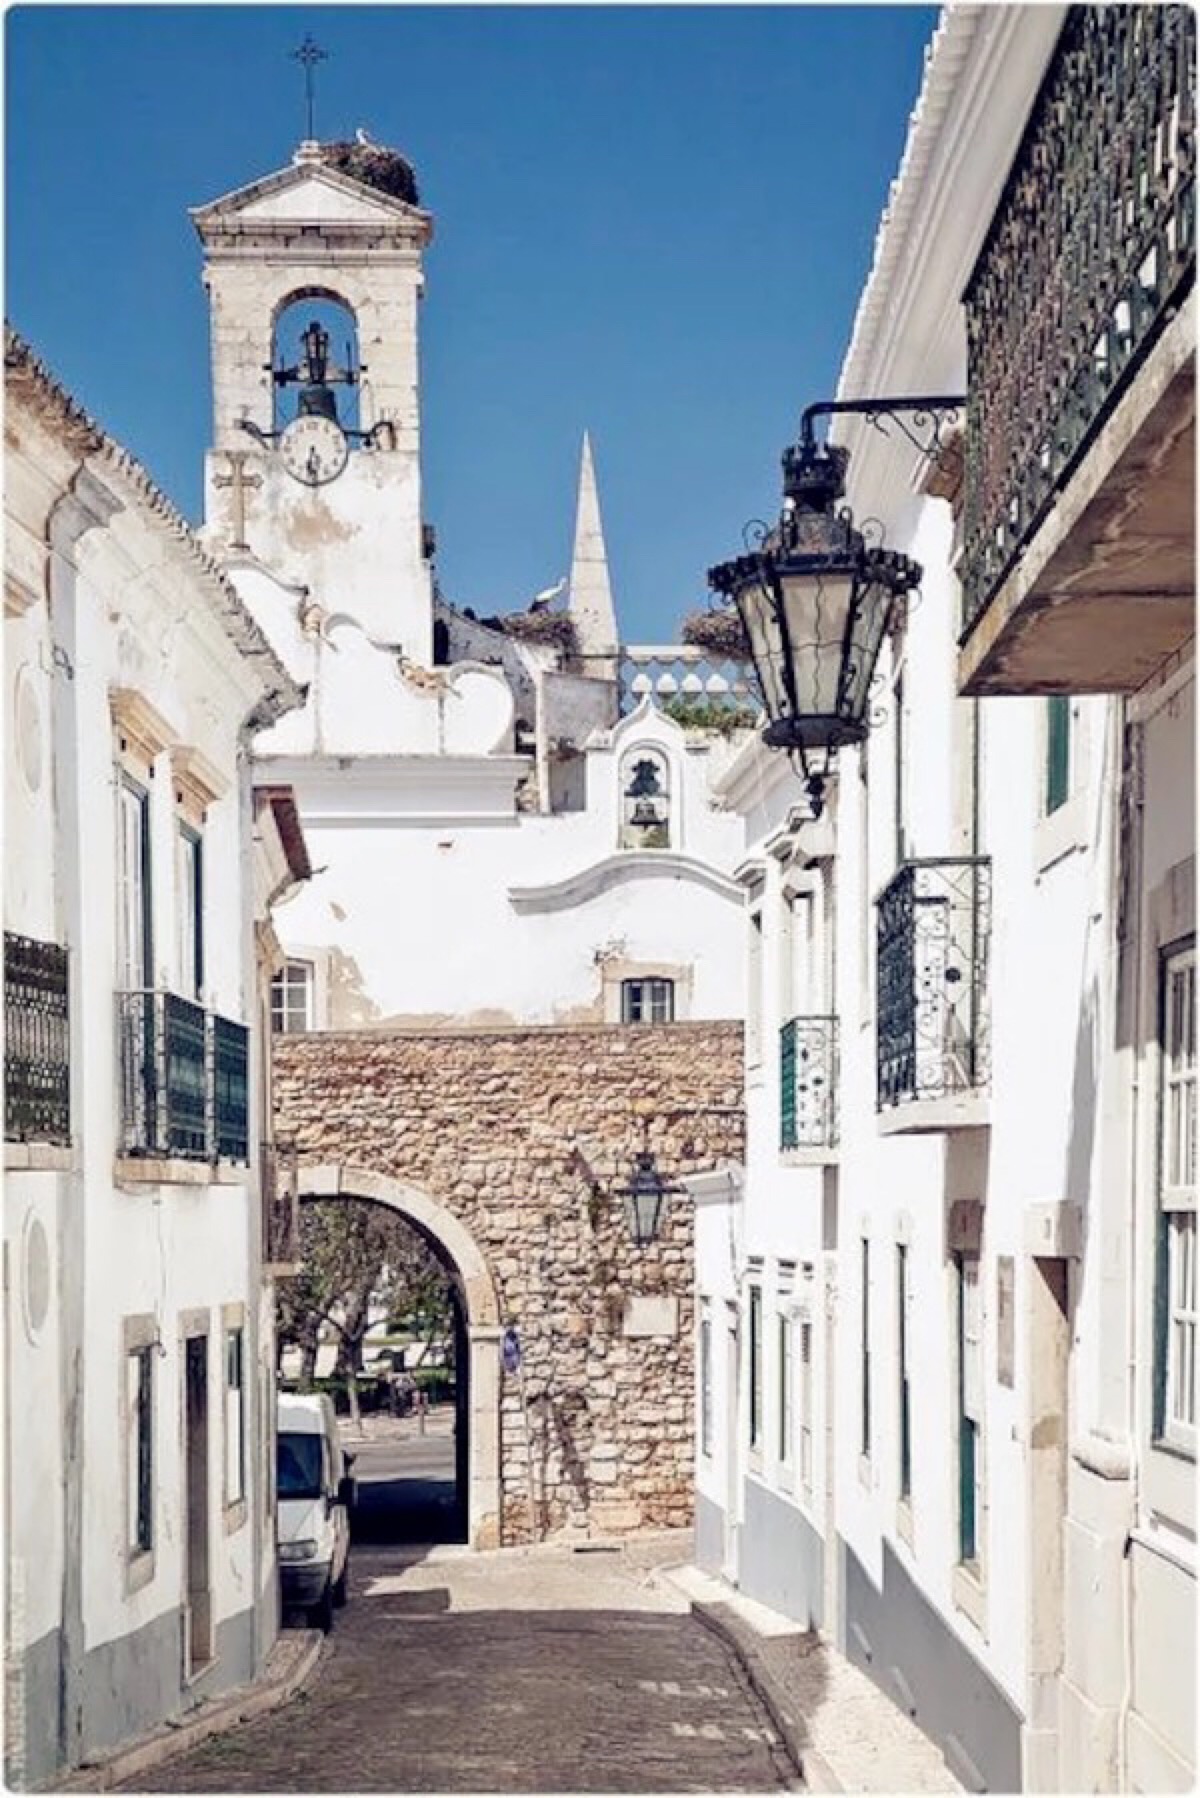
718 631
375 166
556 629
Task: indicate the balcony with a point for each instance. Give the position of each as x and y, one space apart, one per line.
37 1042
1078 555
808 1075
932 1017
184 1076
280 1212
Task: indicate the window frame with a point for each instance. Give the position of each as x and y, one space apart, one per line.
754 1368
652 988
1175 1297
234 1412
785 1390
280 989
864 1349
903 1372
189 863
705 1371
135 885
970 1506
1057 753
805 1432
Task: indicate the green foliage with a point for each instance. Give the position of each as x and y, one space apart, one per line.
355 1255
710 715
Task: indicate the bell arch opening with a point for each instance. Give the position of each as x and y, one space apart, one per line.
477 1330
316 363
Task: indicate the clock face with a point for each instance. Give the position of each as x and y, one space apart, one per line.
314 449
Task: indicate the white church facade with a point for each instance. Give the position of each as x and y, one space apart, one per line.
510 820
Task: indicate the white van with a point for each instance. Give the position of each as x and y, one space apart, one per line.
314 1493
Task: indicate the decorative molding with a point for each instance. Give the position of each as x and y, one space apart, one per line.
197 781
141 729
617 869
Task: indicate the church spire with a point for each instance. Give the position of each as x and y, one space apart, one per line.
590 601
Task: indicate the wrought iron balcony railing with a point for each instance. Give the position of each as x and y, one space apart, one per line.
280 1207
1090 251
37 1042
808 1073
932 1019
184 1079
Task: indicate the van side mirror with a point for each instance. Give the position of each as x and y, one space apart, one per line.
346 1491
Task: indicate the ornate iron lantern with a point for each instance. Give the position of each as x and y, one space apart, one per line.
815 596
645 1198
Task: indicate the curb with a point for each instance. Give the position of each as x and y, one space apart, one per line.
813 1768
280 1682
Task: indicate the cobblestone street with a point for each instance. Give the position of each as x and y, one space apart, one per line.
521 1671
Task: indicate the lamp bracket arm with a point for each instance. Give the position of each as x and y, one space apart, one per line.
932 413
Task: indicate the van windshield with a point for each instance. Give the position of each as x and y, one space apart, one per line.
298 1465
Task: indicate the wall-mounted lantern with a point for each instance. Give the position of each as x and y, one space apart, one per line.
815 593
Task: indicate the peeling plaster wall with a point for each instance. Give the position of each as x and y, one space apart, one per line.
508 1130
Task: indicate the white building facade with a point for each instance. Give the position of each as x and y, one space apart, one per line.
947 1398
509 819
139 1320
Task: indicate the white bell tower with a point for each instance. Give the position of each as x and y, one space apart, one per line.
336 506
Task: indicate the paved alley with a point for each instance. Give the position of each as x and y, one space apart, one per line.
520 1671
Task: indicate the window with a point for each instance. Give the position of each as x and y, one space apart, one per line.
865 1350
902 1297
806 1410
901 834
1057 788
298 1465
706 1386
139 1377
292 998
235 1416
756 1346
135 957
189 856
648 1001
1176 1308
754 992
645 800
785 1390
970 1408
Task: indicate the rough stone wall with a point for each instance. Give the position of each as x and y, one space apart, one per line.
513 1131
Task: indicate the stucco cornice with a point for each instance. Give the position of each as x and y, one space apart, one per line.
619 869
27 378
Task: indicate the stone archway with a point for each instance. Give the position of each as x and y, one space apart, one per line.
330 1180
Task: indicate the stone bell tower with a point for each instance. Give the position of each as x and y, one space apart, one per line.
329 498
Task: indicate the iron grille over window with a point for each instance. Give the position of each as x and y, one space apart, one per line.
37 1042
1091 248
184 1080
933 929
808 1067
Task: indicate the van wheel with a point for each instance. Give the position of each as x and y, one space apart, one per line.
341 1590
322 1612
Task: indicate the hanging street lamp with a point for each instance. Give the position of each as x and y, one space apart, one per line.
645 1198
815 593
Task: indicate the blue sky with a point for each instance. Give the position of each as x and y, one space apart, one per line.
652 222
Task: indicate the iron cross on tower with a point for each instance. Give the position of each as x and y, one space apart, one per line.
309 54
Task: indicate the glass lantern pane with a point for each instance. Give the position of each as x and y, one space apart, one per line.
766 646
816 608
873 611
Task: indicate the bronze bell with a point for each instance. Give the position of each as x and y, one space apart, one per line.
645 813
317 402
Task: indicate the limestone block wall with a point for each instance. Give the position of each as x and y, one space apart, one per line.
523 1135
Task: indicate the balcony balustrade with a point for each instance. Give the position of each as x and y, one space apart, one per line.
184 1076
1090 254
932 1019
808 1074
37 1042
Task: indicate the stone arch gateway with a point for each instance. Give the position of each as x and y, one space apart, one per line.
328 1180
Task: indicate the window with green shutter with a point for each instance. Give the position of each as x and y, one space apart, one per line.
1058 752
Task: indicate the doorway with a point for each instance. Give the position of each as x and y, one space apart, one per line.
198 1632
1049 1348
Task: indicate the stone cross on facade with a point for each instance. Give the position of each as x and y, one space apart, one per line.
239 480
